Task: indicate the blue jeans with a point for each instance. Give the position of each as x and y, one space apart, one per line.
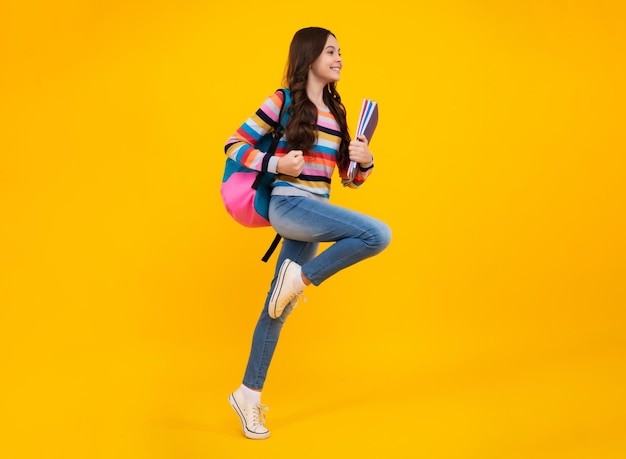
304 223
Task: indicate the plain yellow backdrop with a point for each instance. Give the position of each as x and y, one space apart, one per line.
493 325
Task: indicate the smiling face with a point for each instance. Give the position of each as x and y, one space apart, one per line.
327 67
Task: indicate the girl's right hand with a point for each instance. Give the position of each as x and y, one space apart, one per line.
291 164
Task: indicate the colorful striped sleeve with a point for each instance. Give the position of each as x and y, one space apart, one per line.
360 176
240 146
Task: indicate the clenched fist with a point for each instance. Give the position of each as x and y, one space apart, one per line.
291 164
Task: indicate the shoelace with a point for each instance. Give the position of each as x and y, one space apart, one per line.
258 414
294 301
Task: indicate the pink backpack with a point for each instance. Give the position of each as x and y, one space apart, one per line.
246 192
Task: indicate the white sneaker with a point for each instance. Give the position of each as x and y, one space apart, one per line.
284 290
252 416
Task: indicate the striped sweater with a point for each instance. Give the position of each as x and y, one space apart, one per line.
320 161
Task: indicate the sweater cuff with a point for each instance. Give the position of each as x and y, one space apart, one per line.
272 165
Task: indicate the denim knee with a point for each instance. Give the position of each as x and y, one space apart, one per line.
379 237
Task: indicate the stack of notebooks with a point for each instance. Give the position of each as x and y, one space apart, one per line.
368 119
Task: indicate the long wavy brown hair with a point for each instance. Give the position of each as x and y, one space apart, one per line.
301 131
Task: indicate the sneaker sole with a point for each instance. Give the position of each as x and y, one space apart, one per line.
280 280
246 432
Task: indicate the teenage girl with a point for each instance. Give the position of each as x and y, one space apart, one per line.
315 143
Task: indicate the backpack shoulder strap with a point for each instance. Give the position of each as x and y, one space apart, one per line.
271 248
277 134
283 115
283 118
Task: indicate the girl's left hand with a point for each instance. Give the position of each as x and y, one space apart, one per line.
359 151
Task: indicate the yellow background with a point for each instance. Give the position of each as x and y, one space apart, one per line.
492 327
